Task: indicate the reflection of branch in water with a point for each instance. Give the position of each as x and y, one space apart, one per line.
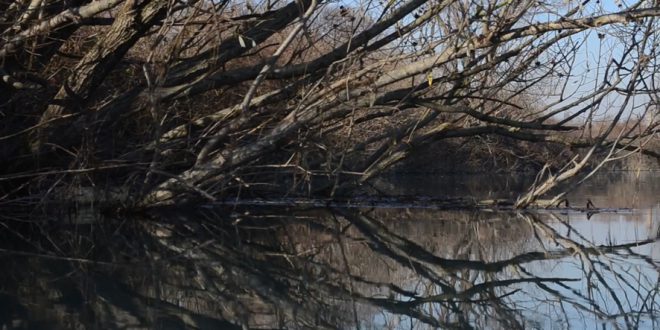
384 238
409 254
325 271
596 268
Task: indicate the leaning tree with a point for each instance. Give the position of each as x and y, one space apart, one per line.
201 99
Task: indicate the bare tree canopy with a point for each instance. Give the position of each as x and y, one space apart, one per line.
183 100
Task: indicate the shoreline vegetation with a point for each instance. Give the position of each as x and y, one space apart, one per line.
165 103
623 192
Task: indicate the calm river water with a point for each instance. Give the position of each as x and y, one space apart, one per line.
366 268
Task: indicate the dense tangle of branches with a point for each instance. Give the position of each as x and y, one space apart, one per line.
200 99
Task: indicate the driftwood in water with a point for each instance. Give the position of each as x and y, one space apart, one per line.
457 203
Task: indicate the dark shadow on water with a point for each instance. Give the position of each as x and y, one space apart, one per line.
341 268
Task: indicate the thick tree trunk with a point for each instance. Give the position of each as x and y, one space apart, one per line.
133 20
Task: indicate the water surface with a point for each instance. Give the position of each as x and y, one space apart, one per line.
367 268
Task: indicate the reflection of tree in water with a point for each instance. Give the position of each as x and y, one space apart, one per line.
320 269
